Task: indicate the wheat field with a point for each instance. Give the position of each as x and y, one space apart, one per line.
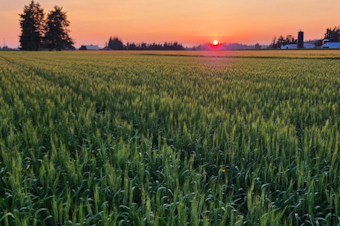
161 138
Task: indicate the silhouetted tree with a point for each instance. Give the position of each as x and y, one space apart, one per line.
273 44
143 45
31 23
281 41
290 40
132 46
57 36
115 44
333 35
82 47
257 46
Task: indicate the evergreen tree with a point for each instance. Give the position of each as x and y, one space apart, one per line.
115 44
31 22
57 36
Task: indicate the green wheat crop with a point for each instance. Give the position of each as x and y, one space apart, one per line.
139 139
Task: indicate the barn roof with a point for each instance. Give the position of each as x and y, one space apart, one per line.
92 47
331 44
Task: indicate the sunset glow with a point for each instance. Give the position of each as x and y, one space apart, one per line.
188 22
215 42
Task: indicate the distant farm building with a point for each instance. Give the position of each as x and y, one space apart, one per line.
300 43
289 46
89 47
92 47
295 46
330 45
308 45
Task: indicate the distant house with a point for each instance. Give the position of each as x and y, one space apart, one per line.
294 46
92 47
289 46
331 45
89 47
308 46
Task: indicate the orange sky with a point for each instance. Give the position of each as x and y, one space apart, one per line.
188 21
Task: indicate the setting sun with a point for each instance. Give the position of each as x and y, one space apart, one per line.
215 42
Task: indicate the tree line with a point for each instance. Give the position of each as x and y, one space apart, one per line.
281 41
38 33
115 43
332 34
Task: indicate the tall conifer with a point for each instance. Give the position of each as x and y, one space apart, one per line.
31 23
57 33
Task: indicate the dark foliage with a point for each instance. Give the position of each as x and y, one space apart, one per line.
82 47
155 46
31 23
281 41
116 44
57 37
333 35
318 43
257 46
37 33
